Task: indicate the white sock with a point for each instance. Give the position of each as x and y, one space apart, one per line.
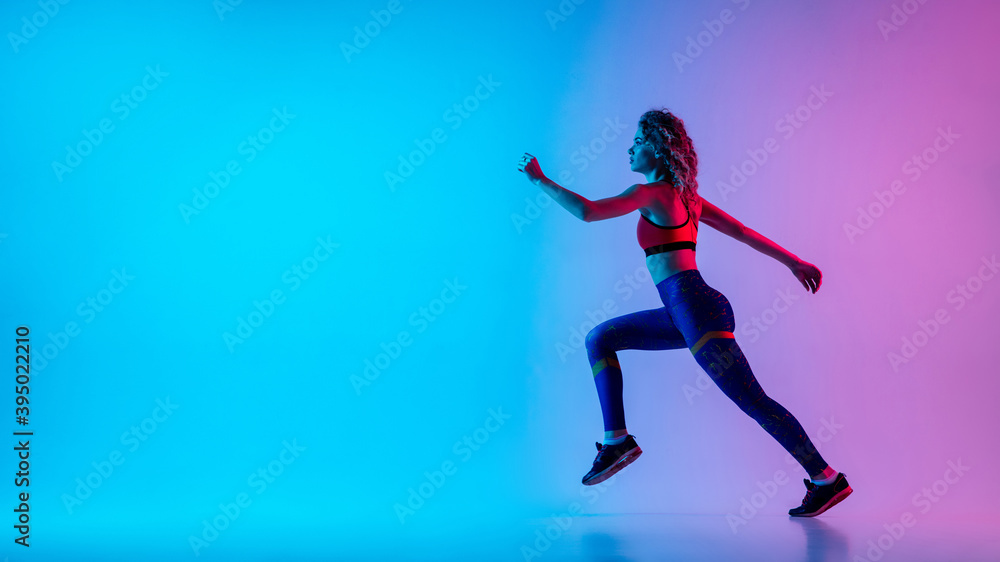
615 441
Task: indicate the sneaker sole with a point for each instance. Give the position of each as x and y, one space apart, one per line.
833 501
624 461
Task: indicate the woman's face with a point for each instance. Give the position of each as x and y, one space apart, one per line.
642 157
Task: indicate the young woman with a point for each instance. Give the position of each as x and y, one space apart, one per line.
694 315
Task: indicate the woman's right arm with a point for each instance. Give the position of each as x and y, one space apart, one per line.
808 274
719 220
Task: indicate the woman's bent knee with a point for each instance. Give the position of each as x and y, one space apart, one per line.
597 338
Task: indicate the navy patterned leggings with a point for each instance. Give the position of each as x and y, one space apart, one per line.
697 317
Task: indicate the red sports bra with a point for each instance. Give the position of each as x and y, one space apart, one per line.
655 239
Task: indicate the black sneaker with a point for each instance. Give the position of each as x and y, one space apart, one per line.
610 459
821 498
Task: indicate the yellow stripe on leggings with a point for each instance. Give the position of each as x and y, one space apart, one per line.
600 365
709 335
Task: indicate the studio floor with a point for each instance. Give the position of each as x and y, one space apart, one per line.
710 538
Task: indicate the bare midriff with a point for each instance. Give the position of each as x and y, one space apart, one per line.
669 210
665 264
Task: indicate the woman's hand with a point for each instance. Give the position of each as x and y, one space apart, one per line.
807 274
529 165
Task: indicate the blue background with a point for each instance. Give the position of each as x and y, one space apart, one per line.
534 279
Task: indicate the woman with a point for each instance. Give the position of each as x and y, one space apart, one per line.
694 315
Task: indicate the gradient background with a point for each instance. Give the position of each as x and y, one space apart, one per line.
529 283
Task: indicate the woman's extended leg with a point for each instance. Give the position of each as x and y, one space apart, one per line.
705 317
725 363
646 330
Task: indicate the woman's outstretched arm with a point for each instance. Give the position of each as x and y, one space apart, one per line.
807 274
768 247
581 207
721 221
574 203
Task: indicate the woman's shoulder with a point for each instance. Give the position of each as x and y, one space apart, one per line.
697 200
667 206
667 194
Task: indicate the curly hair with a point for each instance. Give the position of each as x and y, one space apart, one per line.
672 145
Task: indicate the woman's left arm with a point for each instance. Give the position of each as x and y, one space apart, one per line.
572 202
575 203
579 206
